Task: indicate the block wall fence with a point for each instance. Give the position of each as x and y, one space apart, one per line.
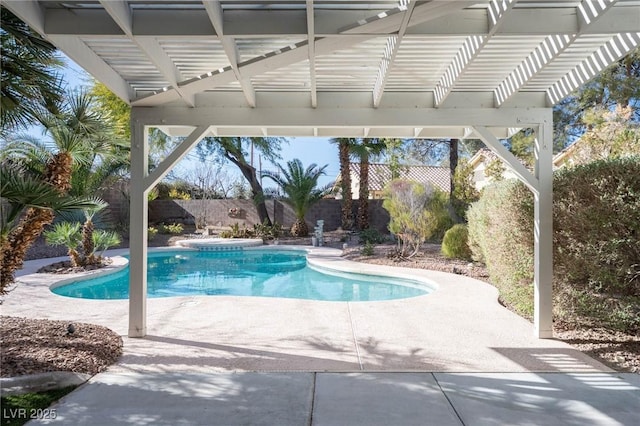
227 212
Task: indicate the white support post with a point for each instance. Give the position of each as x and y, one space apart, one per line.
138 231
543 232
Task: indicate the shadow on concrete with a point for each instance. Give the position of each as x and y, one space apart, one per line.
228 357
190 399
543 398
551 359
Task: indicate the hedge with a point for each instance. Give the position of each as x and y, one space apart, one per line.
596 243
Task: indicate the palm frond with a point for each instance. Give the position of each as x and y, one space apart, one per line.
299 185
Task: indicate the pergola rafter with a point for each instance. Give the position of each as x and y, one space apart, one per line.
121 13
553 46
390 52
471 48
616 48
388 21
214 10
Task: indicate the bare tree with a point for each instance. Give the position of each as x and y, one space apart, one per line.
209 182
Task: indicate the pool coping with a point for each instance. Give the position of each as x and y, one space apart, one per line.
322 258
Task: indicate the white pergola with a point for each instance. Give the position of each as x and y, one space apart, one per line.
330 68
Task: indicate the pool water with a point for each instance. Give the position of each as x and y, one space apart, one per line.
264 273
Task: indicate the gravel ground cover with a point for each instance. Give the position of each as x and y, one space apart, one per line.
29 346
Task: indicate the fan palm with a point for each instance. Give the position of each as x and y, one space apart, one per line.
21 190
73 133
66 234
102 240
88 246
299 186
30 84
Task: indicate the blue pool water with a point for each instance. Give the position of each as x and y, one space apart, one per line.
263 273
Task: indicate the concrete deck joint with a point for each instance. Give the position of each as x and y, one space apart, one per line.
448 399
313 399
355 336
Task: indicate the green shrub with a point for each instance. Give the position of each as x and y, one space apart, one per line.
478 225
172 228
151 233
596 243
416 213
267 232
439 207
176 194
501 234
455 243
237 232
372 236
465 191
367 249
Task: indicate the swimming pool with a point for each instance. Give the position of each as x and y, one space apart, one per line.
263 273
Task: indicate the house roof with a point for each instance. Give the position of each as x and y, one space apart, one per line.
380 175
486 154
481 155
565 154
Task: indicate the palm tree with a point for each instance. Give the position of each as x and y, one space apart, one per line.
299 186
21 191
102 240
88 246
366 149
29 83
67 234
344 152
72 236
71 132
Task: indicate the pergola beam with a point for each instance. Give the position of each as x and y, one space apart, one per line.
194 24
79 52
311 38
511 161
178 153
29 11
332 117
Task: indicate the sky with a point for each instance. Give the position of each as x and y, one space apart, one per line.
308 150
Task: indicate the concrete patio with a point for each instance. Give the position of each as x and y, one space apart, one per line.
454 357
460 327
